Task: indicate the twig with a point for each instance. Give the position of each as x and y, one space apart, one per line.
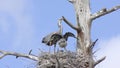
93 44
71 25
96 51
71 1
58 63
98 61
104 12
30 52
40 50
5 53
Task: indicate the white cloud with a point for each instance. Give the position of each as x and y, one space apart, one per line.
12 6
22 21
110 48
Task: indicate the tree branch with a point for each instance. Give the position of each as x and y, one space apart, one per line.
71 1
58 63
71 25
98 61
103 12
5 53
95 51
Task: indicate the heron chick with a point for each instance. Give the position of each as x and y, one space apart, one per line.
61 39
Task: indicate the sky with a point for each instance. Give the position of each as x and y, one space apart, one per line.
23 24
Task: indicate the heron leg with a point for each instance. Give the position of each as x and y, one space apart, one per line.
49 49
54 48
65 49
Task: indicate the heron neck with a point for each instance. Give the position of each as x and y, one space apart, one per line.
60 30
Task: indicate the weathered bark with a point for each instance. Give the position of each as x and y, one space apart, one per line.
82 11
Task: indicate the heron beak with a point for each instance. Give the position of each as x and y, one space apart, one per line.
76 38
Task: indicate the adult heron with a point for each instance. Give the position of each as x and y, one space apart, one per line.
46 40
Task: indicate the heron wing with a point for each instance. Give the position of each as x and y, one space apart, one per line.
68 34
56 37
47 37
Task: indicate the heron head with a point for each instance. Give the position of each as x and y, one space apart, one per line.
59 22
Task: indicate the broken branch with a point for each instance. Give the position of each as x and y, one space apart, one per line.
103 12
98 61
71 1
93 44
5 53
96 51
67 22
30 52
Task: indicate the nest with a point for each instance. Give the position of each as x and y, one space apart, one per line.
62 59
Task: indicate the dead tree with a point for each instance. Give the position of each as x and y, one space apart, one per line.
83 58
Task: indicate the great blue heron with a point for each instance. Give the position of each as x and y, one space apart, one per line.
46 40
61 39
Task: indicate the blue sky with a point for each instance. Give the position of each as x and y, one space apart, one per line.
23 23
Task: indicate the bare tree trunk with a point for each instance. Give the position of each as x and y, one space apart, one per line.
82 10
